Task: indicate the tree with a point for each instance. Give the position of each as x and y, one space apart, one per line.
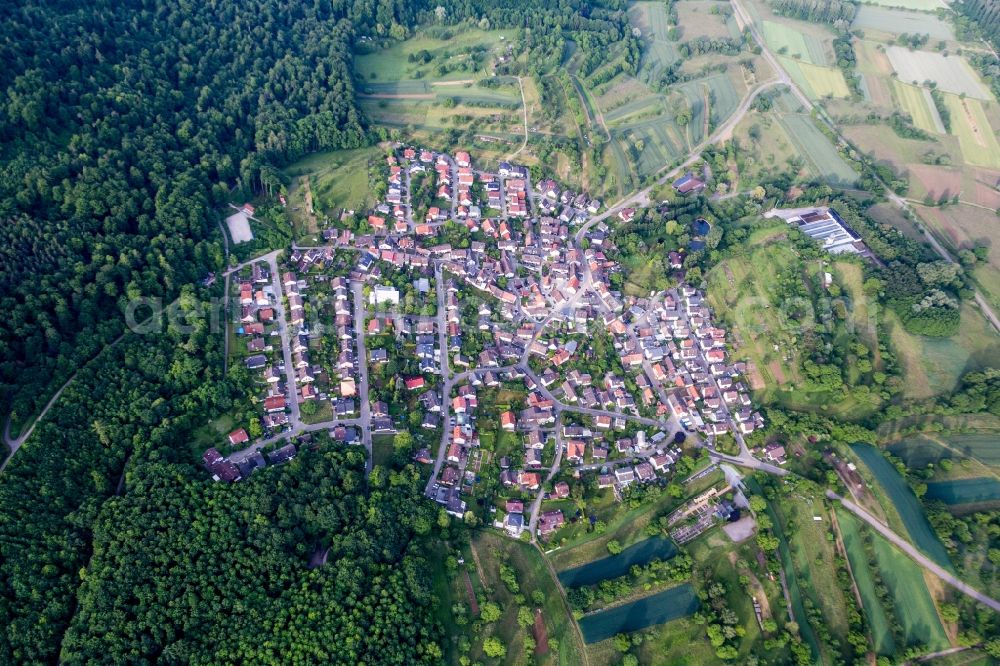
614 547
525 617
489 612
492 647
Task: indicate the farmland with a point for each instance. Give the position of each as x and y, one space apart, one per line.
975 136
818 150
787 41
896 21
817 81
878 621
655 609
454 47
916 102
951 73
326 182
918 5
904 502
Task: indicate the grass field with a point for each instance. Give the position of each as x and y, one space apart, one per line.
696 20
916 610
812 555
934 365
817 81
818 150
905 502
333 180
952 73
915 101
975 136
898 21
532 574
392 63
878 622
787 41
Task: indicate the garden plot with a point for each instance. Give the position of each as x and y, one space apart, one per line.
976 137
897 21
952 73
790 42
916 101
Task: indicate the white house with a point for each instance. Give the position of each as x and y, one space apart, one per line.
382 294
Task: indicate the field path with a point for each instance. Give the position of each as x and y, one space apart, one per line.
569 609
914 554
396 96
524 108
460 82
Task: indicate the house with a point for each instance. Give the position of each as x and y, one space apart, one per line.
550 521
238 437
255 362
575 449
775 453
282 455
514 524
561 490
274 403
414 383
221 469
688 183
383 294
529 480
508 421
514 506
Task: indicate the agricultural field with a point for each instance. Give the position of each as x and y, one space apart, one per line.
975 135
788 41
696 19
951 73
818 150
456 49
878 622
905 580
916 102
897 21
904 502
817 81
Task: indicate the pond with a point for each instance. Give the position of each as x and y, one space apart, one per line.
639 614
641 553
965 491
701 227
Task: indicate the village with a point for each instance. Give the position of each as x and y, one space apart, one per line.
464 282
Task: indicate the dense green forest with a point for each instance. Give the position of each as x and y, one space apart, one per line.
984 15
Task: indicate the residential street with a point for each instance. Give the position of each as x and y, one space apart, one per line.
357 293
286 349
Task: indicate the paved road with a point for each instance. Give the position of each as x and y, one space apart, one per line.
447 380
286 348
915 554
537 504
357 293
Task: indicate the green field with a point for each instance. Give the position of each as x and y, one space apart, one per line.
965 491
336 179
914 100
532 574
787 41
916 610
795 593
874 612
952 73
817 81
935 365
659 52
818 150
898 21
976 137
614 566
639 614
905 502
392 63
